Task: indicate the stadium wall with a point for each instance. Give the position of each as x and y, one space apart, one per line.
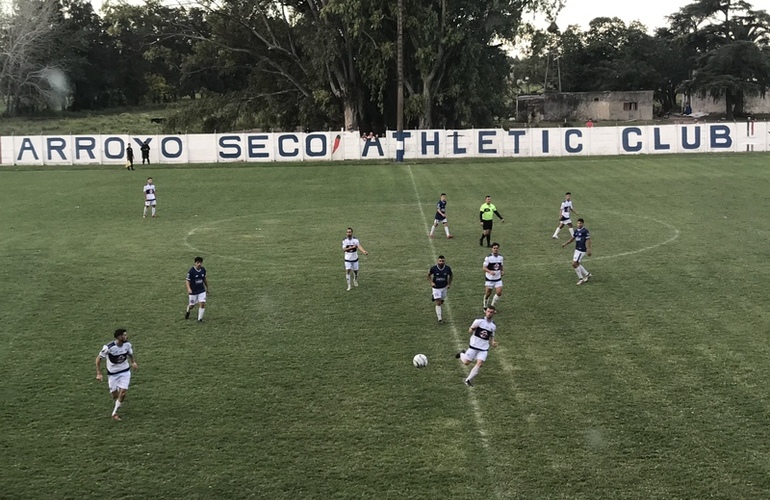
418 144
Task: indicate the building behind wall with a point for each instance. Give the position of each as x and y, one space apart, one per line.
581 106
754 105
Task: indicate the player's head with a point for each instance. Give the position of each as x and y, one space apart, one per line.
441 260
487 198
495 248
121 334
350 232
568 195
490 311
149 180
443 196
198 262
580 223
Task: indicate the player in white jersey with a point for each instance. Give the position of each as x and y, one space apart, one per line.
117 353
565 218
493 271
149 197
482 337
350 247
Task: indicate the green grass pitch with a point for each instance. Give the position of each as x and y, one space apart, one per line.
650 381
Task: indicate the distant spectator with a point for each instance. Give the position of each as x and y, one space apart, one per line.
688 109
145 152
590 123
129 158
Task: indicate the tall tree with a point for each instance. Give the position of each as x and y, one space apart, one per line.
28 75
728 37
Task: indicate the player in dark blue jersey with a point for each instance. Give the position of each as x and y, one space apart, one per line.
440 278
197 287
582 239
440 217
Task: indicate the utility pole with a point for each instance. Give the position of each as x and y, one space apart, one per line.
400 86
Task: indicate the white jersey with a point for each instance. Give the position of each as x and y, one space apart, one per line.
495 264
117 357
566 206
483 331
149 192
351 255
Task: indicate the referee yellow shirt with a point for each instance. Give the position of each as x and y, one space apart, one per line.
487 211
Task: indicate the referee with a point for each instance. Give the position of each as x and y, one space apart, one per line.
486 216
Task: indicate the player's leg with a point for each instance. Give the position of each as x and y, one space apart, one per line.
556 233
446 230
433 229
190 304
576 266
498 294
355 274
348 273
487 294
153 209
475 370
571 230
467 357
489 236
438 299
585 272
144 212
201 305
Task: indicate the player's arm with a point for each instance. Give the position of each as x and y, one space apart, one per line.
187 284
449 280
133 359
572 238
494 340
473 327
99 367
362 249
430 278
500 216
481 217
588 246
573 211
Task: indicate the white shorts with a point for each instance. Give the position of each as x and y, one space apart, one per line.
148 203
436 222
471 354
119 381
197 297
439 293
351 265
493 284
565 221
578 256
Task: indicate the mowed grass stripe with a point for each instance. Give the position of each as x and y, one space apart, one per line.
645 383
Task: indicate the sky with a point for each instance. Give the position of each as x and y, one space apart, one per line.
652 13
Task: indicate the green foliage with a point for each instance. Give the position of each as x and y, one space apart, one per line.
647 382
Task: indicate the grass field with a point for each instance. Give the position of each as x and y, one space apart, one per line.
650 381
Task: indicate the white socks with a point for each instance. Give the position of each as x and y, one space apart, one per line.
583 270
117 405
473 373
556 233
438 313
153 211
495 299
200 313
579 272
446 230
572 231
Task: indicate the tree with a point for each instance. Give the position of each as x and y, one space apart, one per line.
28 77
727 36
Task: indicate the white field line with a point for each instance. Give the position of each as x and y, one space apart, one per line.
459 341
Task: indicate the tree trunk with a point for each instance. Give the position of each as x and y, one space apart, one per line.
426 117
351 116
729 105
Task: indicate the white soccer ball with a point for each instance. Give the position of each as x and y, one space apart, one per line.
420 361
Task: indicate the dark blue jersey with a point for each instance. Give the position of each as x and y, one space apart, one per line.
440 207
196 278
440 275
581 236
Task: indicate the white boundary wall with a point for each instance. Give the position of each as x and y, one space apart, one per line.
419 144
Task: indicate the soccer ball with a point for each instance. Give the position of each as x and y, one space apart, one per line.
420 361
